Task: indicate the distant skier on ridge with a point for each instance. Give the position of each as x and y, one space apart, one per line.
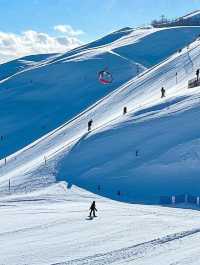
93 209
197 74
90 125
124 110
162 92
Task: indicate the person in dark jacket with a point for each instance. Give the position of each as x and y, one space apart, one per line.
124 110
162 92
197 74
93 209
90 125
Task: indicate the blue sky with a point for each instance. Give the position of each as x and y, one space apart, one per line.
94 17
43 26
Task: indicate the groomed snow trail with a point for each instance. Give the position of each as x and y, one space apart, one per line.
50 226
132 253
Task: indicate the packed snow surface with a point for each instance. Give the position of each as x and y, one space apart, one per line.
52 227
46 187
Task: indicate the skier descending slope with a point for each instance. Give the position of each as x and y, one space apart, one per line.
162 92
93 209
197 74
90 125
124 110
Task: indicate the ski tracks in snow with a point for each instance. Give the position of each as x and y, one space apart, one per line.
130 253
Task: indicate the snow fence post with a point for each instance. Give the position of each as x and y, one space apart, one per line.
198 200
176 78
137 69
9 185
173 199
186 198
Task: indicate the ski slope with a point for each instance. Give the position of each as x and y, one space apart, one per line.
52 227
146 129
10 68
54 179
69 82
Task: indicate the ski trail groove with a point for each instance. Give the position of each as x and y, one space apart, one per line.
133 252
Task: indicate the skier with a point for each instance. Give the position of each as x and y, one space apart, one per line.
93 209
197 74
90 125
136 153
162 92
125 110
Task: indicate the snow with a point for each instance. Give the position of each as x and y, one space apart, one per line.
69 81
148 125
10 68
193 15
53 180
52 228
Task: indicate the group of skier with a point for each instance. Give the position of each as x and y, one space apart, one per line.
93 208
90 122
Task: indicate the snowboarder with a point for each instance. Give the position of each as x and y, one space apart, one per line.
125 110
90 125
197 74
93 209
162 92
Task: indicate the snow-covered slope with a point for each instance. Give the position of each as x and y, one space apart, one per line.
15 66
193 16
106 156
46 223
37 99
52 227
165 135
